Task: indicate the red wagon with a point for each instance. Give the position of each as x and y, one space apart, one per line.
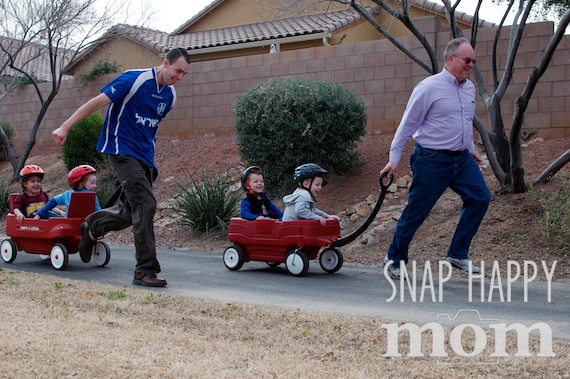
291 242
294 243
56 237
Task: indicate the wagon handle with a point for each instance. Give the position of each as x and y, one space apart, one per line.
383 189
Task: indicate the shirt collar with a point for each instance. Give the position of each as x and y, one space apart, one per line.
451 79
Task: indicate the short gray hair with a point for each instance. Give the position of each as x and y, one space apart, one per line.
452 46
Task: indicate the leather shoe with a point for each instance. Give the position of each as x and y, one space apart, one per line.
148 280
87 243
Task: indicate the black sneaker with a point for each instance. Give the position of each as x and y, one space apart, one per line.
87 243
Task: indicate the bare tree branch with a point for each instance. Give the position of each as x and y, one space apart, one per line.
549 173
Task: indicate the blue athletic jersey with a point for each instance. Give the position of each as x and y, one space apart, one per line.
138 104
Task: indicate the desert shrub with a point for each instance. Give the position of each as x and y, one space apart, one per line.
284 123
107 181
556 217
207 206
101 67
9 132
4 196
80 145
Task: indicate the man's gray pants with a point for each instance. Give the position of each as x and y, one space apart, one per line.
137 208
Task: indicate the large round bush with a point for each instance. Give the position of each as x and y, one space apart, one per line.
284 123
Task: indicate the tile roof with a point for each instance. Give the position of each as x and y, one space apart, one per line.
38 60
153 39
268 30
309 26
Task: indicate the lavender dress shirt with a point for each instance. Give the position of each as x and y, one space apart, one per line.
439 116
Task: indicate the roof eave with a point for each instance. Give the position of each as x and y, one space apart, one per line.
254 44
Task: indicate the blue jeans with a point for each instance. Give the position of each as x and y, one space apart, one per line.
434 172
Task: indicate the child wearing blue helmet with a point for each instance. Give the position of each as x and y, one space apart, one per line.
301 204
256 204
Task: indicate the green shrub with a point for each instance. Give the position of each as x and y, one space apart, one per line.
9 132
207 206
101 67
284 123
107 181
556 225
80 145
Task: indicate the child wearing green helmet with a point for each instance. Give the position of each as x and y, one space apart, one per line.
301 204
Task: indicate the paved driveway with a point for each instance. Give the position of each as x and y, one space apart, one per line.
355 290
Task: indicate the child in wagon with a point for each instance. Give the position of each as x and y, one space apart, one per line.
32 198
256 204
81 179
301 204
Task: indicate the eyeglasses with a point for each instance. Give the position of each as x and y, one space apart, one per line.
467 60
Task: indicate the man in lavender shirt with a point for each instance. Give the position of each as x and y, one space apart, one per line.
439 116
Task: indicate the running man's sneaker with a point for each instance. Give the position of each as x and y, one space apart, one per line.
393 269
463 265
394 272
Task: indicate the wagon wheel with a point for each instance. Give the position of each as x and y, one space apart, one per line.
59 256
297 262
9 250
101 254
331 260
273 264
234 258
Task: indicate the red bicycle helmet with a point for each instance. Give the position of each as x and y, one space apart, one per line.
77 174
31 170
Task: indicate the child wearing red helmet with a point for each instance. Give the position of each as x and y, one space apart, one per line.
81 179
32 197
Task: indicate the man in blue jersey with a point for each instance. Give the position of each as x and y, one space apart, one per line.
439 116
137 101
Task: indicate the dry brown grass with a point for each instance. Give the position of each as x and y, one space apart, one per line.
53 327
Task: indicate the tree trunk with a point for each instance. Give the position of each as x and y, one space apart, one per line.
500 141
10 153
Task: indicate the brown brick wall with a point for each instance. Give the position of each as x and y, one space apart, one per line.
383 76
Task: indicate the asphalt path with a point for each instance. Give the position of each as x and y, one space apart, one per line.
354 290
